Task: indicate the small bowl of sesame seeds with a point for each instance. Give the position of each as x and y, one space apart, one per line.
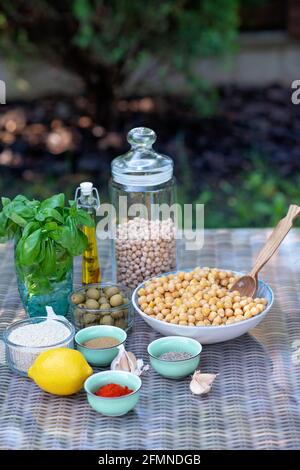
198 303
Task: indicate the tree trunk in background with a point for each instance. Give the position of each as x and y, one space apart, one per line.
100 83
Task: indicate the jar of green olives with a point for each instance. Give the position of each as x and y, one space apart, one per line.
102 304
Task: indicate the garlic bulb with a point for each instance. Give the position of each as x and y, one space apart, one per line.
201 383
127 362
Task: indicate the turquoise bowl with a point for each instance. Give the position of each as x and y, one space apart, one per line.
117 406
174 369
103 356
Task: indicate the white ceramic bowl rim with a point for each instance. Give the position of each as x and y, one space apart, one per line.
99 349
112 398
63 320
206 327
177 338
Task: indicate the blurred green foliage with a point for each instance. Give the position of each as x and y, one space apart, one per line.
256 198
104 41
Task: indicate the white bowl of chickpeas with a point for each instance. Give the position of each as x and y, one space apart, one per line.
197 303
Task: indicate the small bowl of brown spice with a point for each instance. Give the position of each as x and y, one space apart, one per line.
100 344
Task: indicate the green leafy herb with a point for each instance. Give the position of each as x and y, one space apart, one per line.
47 236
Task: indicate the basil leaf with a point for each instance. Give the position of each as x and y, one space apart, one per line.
3 224
56 235
48 265
19 249
20 198
47 213
29 228
50 226
18 212
18 219
73 239
58 200
64 238
31 247
5 201
83 218
7 228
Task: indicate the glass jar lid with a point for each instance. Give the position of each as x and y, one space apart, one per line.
141 165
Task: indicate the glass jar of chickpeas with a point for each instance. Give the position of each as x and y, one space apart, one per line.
143 194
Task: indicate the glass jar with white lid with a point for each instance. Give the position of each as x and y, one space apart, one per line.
143 194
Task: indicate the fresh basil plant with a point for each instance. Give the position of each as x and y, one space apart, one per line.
47 236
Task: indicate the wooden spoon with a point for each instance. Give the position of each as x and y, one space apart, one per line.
247 285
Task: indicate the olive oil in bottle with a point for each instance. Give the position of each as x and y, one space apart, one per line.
87 198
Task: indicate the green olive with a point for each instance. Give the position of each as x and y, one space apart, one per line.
105 306
93 293
103 300
92 304
121 324
110 291
116 300
77 298
90 318
117 315
106 320
77 315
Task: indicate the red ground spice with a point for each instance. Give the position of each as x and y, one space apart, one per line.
113 390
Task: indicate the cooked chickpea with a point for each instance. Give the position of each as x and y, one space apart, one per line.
228 312
238 311
254 311
217 321
212 316
200 297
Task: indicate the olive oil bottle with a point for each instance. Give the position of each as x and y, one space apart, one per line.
87 198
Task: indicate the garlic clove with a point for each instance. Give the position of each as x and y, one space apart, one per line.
124 363
201 383
132 361
127 362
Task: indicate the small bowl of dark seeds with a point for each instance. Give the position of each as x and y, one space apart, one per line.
175 357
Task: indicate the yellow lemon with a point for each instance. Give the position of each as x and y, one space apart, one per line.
61 371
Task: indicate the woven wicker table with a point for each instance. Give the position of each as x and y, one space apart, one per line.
254 403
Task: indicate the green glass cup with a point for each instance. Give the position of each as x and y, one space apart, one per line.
101 357
179 368
117 406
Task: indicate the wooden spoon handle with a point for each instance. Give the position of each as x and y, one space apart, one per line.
274 240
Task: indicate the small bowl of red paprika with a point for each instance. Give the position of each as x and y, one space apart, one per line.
113 393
